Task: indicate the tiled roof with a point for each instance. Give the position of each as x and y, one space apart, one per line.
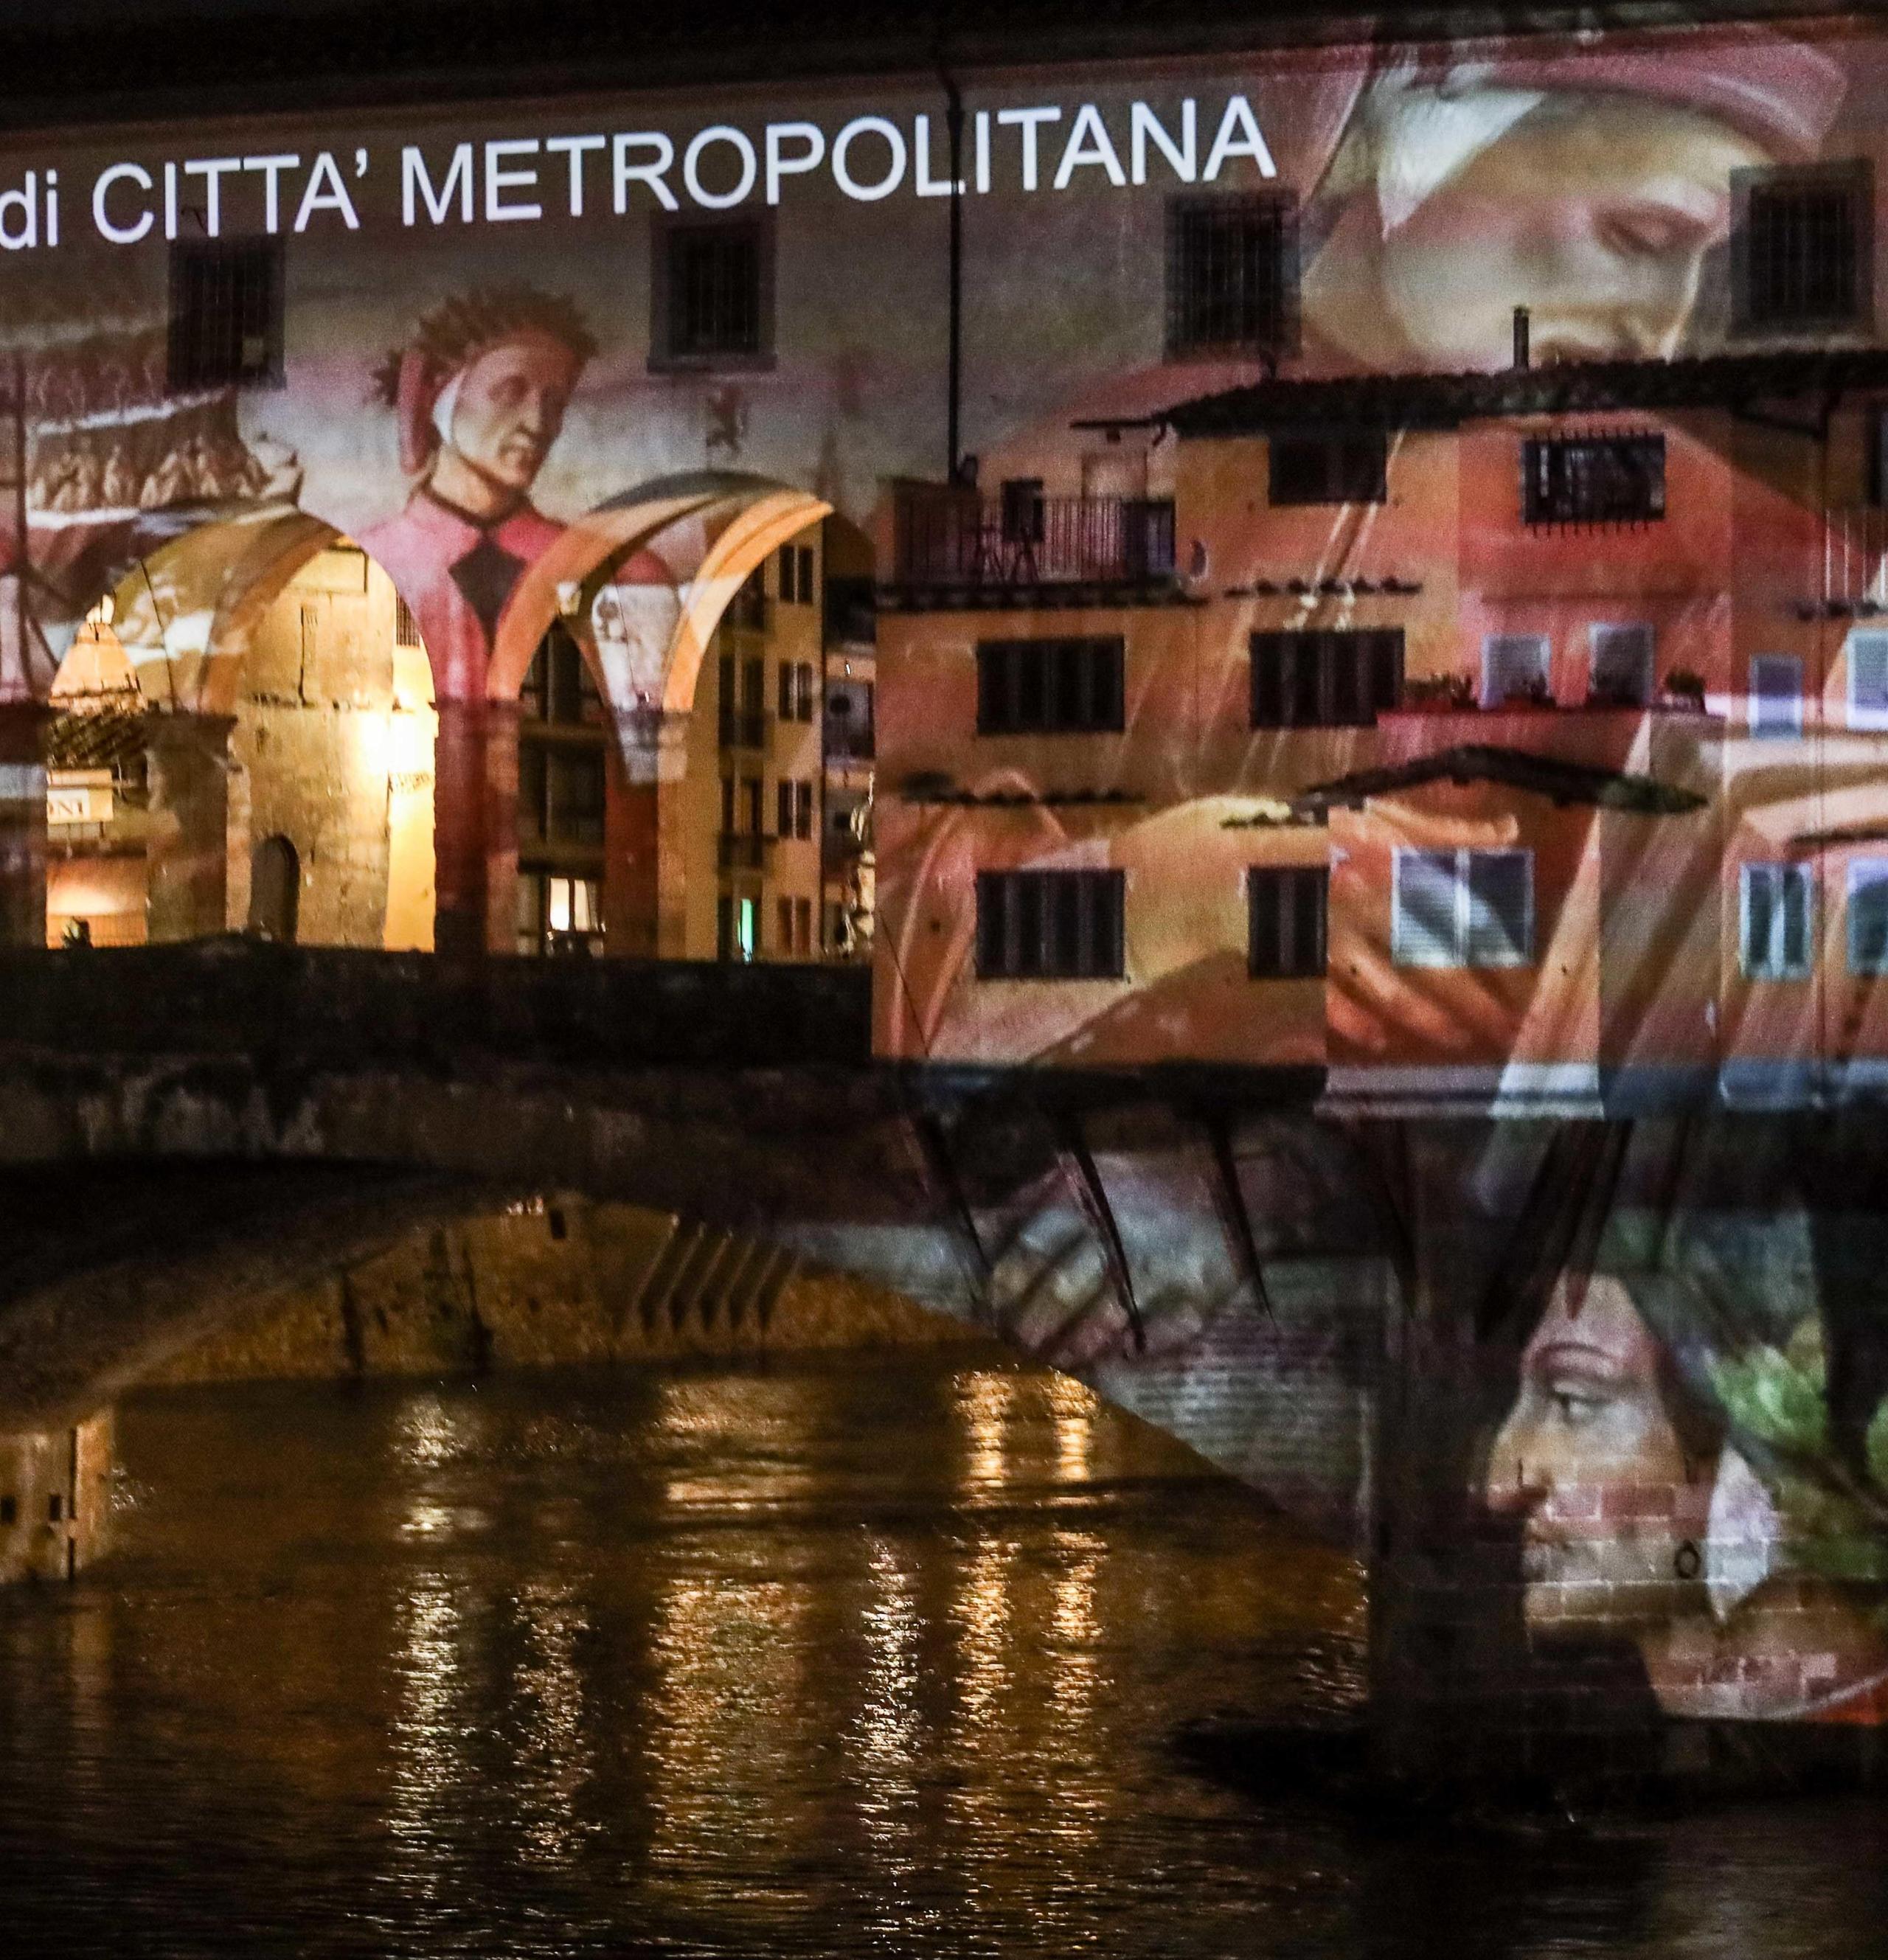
98 738
1583 387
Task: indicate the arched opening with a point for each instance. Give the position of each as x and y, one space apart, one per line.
275 890
252 683
707 612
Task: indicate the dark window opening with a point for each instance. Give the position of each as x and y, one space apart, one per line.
1348 469
1285 917
9 1510
1050 687
1326 680
56 1507
406 633
558 687
1050 925
226 314
1232 274
1800 239
1024 511
1593 479
275 890
712 300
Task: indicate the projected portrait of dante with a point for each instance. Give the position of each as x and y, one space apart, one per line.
1589 186
480 390
1696 1457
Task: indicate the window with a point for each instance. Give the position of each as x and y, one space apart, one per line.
796 575
1049 925
1619 665
1049 687
783 925
558 686
1285 909
1313 469
1462 908
406 634
1024 511
1593 479
1232 274
56 1507
9 1510
1868 680
802 810
1325 680
1776 696
785 704
1800 247
1868 915
713 294
805 554
748 608
783 808
737 928
1515 666
226 314
1773 934
803 925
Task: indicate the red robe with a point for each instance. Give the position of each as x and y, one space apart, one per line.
456 575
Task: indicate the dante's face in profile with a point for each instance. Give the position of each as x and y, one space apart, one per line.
510 407
1614 1509
1595 211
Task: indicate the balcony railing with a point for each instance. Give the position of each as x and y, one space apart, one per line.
744 851
1854 565
944 536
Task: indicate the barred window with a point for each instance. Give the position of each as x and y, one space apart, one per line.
1515 666
1593 479
1312 469
1462 908
1049 925
1775 906
1050 687
1286 909
405 632
226 314
1232 274
1801 238
1325 680
1868 915
714 302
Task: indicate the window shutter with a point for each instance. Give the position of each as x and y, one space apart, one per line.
1868 680
1621 663
1776 695
1423 930
1500 927
1868 915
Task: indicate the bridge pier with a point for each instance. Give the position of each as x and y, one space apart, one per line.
55 1499
22 840
189 856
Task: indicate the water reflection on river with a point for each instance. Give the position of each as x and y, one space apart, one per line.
882 1657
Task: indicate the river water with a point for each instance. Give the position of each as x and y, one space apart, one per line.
897 1656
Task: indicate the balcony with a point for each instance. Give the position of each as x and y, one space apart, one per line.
744 851
1854 567
947 540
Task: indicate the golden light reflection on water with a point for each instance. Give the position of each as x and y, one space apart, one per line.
985 1398
429 1763
555 1752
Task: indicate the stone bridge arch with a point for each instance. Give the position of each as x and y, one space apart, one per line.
246 1118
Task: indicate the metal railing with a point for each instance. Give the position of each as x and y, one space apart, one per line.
1854 562
942 536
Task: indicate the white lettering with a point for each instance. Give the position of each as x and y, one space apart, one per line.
894 139
170 200
575 147
651 174
719 132
120 234
1089 144
333 198
1239 137
498 181
212 170
780 164
52 208
1028 121
415 179
924 183
1185 160
271 168
22 203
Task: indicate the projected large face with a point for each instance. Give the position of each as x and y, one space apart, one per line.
1614 1505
